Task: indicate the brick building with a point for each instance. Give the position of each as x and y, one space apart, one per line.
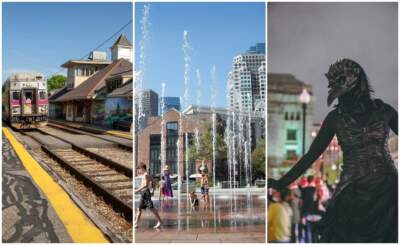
149 141
148 145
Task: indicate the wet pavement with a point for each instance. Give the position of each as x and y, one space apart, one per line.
27 216
229 218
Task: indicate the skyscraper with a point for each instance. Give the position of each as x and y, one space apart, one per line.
169 103
247 80
149 100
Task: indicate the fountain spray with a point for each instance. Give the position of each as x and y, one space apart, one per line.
163 149
186 77
145 26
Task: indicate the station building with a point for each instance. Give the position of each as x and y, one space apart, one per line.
84 98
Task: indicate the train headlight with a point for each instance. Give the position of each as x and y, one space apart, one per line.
43 109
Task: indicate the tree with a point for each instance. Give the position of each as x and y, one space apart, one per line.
258 160
206 148
56 82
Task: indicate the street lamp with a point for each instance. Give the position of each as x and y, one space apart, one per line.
304 99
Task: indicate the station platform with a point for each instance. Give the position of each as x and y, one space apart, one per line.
93 129
35 208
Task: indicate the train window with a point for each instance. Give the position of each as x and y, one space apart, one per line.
28 96
42 95
15 95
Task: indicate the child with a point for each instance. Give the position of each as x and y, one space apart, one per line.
194 201
145 196
162 188
204 188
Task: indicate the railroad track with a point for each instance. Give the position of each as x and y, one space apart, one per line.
108 179
69 129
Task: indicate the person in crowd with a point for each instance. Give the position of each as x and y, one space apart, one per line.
194 201
309 201
167 182
204 189
145 196
161 185
295 204
279 218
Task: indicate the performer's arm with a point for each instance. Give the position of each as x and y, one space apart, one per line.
317 147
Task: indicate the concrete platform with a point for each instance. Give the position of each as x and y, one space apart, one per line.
27 214
35 207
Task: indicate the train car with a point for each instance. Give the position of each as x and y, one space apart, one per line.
25 103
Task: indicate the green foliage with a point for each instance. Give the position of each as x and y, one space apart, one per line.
206 147
258 159
56 82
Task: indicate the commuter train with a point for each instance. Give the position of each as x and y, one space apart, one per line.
25 102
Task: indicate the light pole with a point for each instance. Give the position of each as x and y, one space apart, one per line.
304 99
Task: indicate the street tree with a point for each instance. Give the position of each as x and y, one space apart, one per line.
56 82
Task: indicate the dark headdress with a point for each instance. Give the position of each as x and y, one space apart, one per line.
345 75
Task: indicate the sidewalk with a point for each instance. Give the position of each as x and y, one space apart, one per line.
93 128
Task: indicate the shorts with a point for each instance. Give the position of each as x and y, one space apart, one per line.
204 190
195 202
145 200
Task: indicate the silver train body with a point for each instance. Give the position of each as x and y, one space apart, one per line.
25 102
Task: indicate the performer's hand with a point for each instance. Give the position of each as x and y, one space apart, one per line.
272 183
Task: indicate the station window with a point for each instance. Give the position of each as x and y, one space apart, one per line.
15 95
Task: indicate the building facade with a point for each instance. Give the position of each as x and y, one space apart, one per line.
176 126
247 80
149 103
88 82
285 122
149 141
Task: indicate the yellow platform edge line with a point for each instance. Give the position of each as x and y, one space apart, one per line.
120 134
78 225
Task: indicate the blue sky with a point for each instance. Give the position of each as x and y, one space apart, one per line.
42 36
217 33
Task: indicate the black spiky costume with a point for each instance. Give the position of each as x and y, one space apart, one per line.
363 207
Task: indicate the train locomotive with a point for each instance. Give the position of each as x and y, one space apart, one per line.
25 101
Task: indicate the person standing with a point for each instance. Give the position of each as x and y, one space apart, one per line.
167 182
295 204
279 218
204 188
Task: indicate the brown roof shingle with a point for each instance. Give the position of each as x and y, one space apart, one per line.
122 40
87 89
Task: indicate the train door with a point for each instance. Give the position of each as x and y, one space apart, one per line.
29 101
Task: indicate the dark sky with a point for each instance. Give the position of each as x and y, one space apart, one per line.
305 38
